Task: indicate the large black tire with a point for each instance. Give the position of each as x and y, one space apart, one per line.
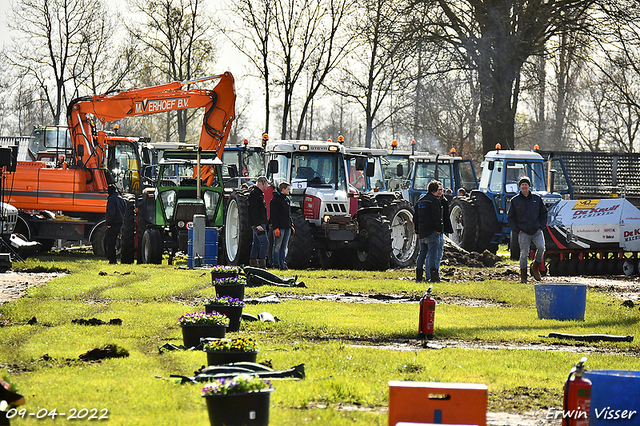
301 243
404 241
151 247
97 240
462 212
237 232
374 253
488 225
128 233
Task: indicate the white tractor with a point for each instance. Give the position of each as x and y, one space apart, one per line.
329 227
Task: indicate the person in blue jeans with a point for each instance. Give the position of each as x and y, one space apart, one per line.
258 222
280 209
527 217
429 227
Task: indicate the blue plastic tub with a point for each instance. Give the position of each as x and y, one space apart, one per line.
615 395
561 301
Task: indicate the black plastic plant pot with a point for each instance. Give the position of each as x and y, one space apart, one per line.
192 333
234 313
235 291
239 409
229 357
223 274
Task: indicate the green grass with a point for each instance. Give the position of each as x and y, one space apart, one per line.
350 350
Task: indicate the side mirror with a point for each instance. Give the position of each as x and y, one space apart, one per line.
80 152
399 170
491 165
273 167
233 170
361 163
371 169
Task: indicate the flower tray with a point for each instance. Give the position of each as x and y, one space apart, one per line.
229 357
234 313
192 333
239 409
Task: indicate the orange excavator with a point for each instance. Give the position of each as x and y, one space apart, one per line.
62 191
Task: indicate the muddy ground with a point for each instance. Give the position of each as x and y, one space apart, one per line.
13 285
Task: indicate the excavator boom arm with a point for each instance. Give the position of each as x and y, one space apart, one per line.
219 105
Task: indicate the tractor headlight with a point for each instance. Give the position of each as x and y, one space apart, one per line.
168 199
181 224
326 218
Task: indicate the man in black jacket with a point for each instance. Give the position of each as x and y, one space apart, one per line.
258 222
527 217
280 210
430 228
114 219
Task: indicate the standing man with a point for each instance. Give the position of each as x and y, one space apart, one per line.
258 222
114 219
527 217
429 227
448 229
280 209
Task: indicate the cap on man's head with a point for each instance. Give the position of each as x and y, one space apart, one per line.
524 179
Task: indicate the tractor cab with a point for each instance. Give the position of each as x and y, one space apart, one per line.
453 172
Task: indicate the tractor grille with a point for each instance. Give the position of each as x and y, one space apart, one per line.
336 208
185 211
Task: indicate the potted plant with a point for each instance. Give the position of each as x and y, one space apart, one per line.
240 401
232 287
227 351
198 325
229 306
223 271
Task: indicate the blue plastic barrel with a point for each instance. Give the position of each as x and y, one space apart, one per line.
561 301
615 397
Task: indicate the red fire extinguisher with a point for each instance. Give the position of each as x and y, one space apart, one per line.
427 315
577 397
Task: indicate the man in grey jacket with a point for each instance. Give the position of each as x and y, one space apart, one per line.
527 217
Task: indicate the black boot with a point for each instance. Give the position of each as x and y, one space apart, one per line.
419 275
435 276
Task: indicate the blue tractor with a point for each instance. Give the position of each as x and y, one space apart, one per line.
480 219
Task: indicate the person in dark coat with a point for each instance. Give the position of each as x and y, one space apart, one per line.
114 219
429 227
448 229
258 222
527 217
8 400
280 209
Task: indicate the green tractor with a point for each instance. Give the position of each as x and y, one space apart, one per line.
189 182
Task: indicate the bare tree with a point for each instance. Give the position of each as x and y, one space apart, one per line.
495 39
256 18
176 39
50 45
376 64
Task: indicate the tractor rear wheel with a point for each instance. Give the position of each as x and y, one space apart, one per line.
374 251
97 240
488 225
128 233
152 247
462 213
404 241
301 243
238 236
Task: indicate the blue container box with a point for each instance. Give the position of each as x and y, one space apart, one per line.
615 397
561 301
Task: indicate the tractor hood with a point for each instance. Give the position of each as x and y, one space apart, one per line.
583 224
